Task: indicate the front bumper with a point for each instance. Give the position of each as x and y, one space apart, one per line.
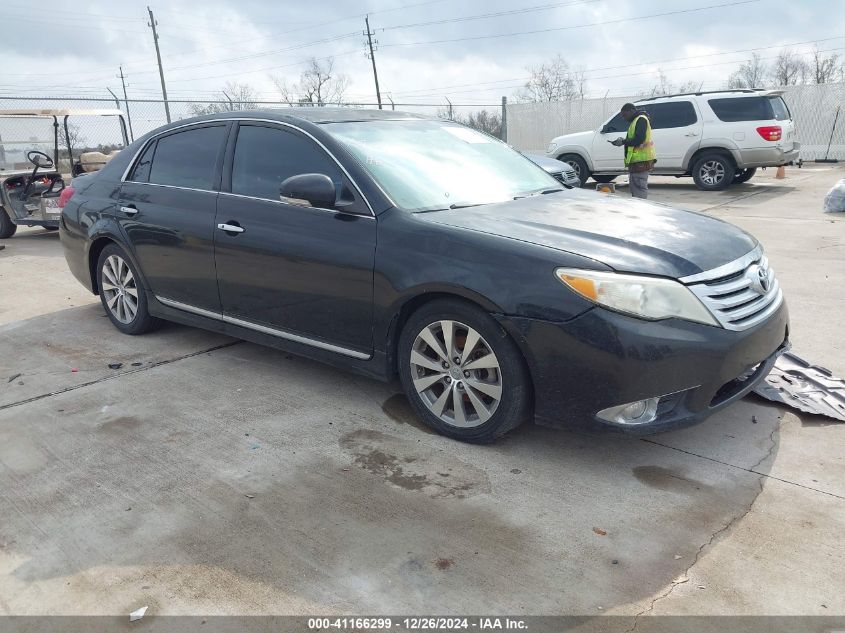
602 359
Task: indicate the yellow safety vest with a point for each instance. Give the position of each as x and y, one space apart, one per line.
640 153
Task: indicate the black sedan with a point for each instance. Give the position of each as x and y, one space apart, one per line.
390 243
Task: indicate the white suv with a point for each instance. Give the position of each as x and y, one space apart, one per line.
715 137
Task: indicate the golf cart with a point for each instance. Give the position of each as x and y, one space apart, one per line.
33 170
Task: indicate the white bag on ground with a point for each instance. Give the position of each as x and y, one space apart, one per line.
834 201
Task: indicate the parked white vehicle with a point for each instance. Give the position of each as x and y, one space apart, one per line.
716 137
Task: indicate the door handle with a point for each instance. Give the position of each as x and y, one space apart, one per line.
129 210
230 228
691 134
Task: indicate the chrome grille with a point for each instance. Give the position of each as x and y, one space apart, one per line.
740 294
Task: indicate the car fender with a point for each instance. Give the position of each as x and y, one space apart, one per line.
110 229
711 144
580 150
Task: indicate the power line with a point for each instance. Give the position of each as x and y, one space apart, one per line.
575 26
496 14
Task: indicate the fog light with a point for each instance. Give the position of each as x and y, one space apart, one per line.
633 413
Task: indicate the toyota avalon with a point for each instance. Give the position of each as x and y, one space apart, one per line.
393 244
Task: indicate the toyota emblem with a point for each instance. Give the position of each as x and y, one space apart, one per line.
759 278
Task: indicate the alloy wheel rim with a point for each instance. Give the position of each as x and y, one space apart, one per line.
456 373
119 289
575 166
712 172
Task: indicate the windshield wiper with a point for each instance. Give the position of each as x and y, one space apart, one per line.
540 192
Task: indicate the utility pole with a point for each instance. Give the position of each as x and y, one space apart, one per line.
126 103
392 105
152 24
505 119
231 105
372 57
451 116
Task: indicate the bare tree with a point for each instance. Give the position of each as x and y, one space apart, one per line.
826 69
789 69
318 85
74 136
483 120
233 96
553 81
751 74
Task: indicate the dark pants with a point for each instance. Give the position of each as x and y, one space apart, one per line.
638 183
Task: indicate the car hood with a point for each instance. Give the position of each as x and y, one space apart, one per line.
584 139
626 234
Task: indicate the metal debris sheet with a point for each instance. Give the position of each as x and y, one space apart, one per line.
806 387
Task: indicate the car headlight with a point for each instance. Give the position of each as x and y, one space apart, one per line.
644 297
551 147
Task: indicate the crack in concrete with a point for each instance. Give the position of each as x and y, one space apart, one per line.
118 375
714 535
748 470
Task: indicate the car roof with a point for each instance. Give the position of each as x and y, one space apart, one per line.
316 115
725 94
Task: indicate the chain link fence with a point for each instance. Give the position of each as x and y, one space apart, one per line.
814 108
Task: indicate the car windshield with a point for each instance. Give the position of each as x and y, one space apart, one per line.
430 165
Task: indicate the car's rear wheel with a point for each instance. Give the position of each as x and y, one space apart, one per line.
578 164
7 227
604 178
713 172
121 293
462 373
744 175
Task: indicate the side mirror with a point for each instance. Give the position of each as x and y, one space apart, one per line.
316 190
604 129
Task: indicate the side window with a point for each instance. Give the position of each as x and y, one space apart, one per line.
742 109
671 114
188 159
264 157
141 173
616 124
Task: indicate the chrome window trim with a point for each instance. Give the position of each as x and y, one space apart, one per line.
726 269
283 334
281 202
241 120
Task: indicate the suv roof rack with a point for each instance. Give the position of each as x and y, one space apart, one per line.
699 93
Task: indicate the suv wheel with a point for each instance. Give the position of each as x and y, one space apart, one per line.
713 172
578 164
744 175
121 293
7 227
462 373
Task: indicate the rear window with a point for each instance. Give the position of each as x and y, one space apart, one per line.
750 109
187 159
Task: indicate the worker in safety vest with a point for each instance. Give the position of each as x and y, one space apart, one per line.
638 148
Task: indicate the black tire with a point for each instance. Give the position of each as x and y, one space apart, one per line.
604 178
578 164
744 175
51 228
514 384
141 321
713 171
7 227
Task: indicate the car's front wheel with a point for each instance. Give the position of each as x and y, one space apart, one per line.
578 164
121 292
462 373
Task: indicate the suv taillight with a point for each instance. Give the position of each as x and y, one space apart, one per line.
65 195
770 132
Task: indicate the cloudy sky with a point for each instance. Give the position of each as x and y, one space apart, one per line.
471 51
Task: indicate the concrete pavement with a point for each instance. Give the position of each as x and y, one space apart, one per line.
219 477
